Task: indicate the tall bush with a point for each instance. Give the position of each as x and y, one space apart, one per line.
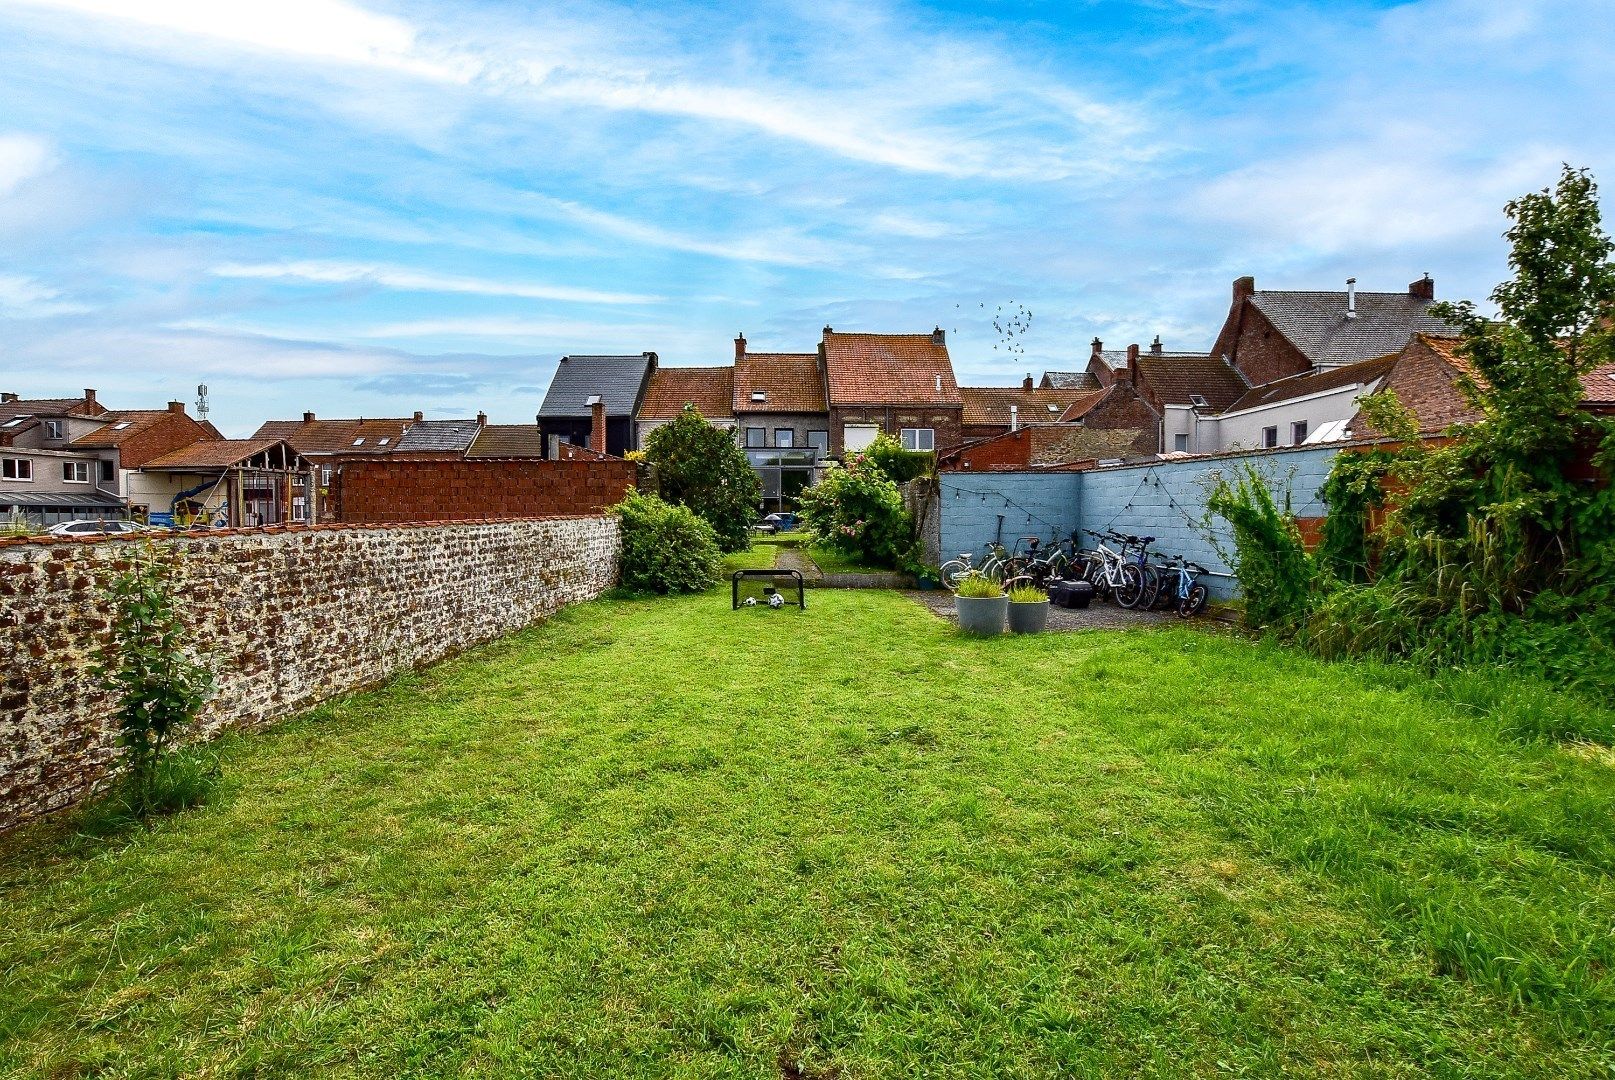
665 548
898 465
1275 574
700 467
857 510
158 689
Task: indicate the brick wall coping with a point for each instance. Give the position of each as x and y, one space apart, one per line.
276 530
1254 451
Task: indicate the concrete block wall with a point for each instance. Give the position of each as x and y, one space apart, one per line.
1164 499
286 616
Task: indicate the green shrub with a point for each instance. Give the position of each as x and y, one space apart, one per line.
857 510
700 467
978 586
665 548
157 688
899 465
1275 574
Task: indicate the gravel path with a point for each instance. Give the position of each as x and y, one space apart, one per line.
1096 616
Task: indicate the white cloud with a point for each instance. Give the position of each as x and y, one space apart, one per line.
336 272
22 157
496 327
25 298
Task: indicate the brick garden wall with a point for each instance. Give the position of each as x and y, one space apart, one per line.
425 490
287 617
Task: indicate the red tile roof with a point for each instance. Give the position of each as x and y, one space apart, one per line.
990 404
120 427
1599 383
507 441
211 454
889 369
709 389
1174 379
789 382
335 436
1315 382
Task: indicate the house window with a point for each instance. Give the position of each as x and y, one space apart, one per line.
756 436
53 429
106 471
819 440
16 468
918 438
1270 436
325 476
76 472
783 436
299 508
1298 432
1180 442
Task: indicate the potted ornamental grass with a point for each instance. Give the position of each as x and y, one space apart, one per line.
1028 609
980 603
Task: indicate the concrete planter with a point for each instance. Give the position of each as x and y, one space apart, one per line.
981 615
1030 618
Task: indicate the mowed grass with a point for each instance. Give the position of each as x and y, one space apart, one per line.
663 838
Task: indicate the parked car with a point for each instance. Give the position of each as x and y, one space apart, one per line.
93 526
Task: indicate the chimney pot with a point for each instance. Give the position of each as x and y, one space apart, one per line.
1423 289
1098 346
828 330
740 345
1026 383
1351 298
176 406
1155 346
308 418
419 416
939 336
482 419
1014 418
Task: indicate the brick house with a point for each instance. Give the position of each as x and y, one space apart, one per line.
989 411
899 384
1048 447
1274 334
619 382
710 389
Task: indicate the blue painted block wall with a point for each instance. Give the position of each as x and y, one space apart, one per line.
1164 499
1002 506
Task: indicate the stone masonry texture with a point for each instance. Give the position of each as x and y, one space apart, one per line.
285 616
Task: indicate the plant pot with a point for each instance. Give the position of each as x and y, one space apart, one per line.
981 615
1030 618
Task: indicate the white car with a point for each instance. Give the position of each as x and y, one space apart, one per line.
96 528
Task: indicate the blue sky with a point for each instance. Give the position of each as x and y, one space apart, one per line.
369 207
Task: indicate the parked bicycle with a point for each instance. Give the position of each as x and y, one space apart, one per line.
1183 592
992 565
1121 572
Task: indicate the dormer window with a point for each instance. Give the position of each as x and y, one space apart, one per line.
53 429
759 396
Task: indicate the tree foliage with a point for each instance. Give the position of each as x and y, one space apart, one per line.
700 467
665 548
857 510
158 689
899 465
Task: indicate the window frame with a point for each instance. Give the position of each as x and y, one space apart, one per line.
21 469
823 445
790 438
1180 442
930 437
105 472
54 429
762 438
70 467
1298 432
1270 437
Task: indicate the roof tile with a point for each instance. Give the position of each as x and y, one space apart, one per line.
789 382
889 369
709 389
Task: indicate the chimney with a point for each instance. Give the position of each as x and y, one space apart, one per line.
1098 347
177 406
1014 418
1423 289
1244 287
89 395
597 423
419 416
740 345
1132 364
1351 298
652 359
1155 346
308 418
9 397
939 336
552 447
1026 383
482 419
828 330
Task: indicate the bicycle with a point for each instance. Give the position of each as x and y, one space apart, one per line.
992 565
1116 572
1186 595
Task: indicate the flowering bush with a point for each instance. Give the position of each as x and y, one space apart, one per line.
858 511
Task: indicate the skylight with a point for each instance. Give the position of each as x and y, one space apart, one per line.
1199 401
358 442
383 442
1054 408
14 422
120 426
759 395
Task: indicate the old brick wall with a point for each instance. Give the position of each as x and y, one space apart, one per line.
287 616
435 490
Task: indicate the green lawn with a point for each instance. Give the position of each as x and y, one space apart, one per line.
832 561
660 837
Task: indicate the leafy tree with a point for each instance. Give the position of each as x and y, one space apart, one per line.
857 510
158 689
700 467
665 548
899 465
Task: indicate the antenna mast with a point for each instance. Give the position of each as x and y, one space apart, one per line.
201 401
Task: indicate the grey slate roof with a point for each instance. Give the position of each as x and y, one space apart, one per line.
64 500
1316 323
1072 380
437 436
617 379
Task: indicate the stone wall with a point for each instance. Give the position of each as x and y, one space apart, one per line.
287 617
398 490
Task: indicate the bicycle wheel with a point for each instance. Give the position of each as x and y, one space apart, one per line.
952 571
1195 602
1131 590
1154 586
